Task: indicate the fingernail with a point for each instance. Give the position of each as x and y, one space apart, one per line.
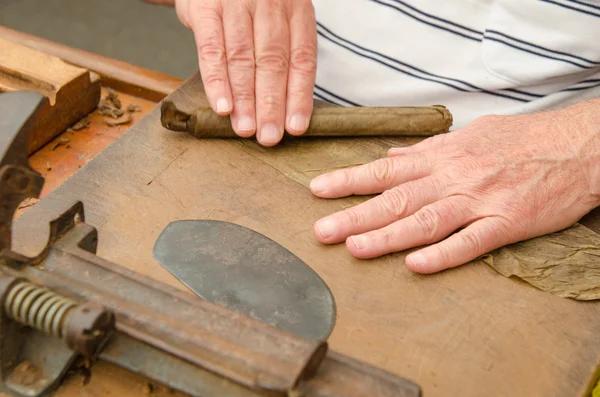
270 134
245 124
223 105
326 228
360 242
299 123
418 260
319 184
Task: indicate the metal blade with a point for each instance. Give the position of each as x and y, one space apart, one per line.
238 268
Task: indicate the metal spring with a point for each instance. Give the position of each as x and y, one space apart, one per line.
38 308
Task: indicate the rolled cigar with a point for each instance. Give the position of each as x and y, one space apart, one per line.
325 121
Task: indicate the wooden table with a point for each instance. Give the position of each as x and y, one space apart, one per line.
58 160
465 332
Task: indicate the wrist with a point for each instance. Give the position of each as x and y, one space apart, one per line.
585 119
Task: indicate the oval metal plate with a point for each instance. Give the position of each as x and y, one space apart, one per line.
238 268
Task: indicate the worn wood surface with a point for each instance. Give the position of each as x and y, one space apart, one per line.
64 155
465 332
71 92
122 76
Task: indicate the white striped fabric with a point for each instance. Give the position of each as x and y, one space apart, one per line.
474 56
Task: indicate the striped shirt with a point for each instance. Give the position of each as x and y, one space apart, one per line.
475 57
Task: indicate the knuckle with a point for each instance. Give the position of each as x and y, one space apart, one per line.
387 236
241 93
346 177
269 101
395 202
472 241
209 50
439 140
273 60
304 58
300 94
200 13
381 170
214 78
353 217
428 220
241 54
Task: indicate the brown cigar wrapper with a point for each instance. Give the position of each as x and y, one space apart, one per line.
325 121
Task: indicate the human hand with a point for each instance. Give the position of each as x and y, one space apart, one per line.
258 62
500 180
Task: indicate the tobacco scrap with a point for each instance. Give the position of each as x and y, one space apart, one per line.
48 166
109 109
81 124
62 141
113 97
110 105
125 119
566 263
132 108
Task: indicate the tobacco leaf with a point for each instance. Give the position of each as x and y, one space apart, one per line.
62 141
132 108
565 263
81 124
125 119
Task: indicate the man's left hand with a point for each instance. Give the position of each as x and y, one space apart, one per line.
499 180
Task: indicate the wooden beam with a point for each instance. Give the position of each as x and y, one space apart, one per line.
122 76
71 92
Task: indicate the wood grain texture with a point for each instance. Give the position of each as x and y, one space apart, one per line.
121 76
71 92
465 332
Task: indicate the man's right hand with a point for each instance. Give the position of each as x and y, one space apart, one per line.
258 61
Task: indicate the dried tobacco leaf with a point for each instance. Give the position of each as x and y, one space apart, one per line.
61 141
125 119
132 108
81 124
565 263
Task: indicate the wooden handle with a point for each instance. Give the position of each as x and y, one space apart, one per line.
325 122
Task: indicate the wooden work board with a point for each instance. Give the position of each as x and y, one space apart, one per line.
465 332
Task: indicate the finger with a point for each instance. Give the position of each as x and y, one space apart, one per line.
239 43
303 67
394 204
272 47
428 225
182 8
208 32
433 142
476 240
371 178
